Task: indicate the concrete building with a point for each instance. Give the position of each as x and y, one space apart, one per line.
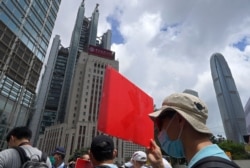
83 106
229 102
77 111
50 106
25 31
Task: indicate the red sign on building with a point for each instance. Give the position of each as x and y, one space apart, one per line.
101 52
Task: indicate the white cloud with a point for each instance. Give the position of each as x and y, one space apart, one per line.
163 62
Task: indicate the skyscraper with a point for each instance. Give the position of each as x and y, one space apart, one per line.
25 31
83 35
88 57
247 113
228 99
47 102
52 99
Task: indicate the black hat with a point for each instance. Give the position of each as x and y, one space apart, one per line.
102 144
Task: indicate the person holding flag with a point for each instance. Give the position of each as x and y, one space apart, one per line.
183 134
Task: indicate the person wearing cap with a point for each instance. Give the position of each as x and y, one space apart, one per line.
59 154
102 152
138 160
19 136
183 133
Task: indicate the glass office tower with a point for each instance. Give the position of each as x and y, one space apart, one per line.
228 99
247 113
48 98
25 31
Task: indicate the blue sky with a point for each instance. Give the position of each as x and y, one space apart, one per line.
242 44
116 34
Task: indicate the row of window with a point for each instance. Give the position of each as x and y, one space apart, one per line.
13 15
12 90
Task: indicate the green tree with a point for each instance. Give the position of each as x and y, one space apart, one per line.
78 153
237 150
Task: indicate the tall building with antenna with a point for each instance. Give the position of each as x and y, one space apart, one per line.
229 102
25 31
88 57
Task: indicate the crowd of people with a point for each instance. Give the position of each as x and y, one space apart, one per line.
181 123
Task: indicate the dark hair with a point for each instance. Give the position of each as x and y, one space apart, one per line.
102 148
20 133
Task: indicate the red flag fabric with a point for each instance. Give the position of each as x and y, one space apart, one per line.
81 163
124 110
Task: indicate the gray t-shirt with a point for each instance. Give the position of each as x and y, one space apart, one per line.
9 158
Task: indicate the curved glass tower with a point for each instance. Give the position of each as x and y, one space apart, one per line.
247 113
228 99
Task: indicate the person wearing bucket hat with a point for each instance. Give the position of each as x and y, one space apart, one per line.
181 122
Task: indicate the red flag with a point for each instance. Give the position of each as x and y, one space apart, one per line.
124 110
81 163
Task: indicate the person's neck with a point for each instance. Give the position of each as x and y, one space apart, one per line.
105 162
20 142
194 145
24 142
59 163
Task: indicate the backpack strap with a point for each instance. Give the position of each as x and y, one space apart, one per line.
22 154
24 158
215 161
44 157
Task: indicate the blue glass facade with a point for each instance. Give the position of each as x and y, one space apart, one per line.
55 90
25 31
231 109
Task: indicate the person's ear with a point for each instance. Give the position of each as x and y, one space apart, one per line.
13 139
91 157
114 153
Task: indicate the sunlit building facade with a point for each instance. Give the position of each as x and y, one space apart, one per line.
25 31
229 102
88 57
